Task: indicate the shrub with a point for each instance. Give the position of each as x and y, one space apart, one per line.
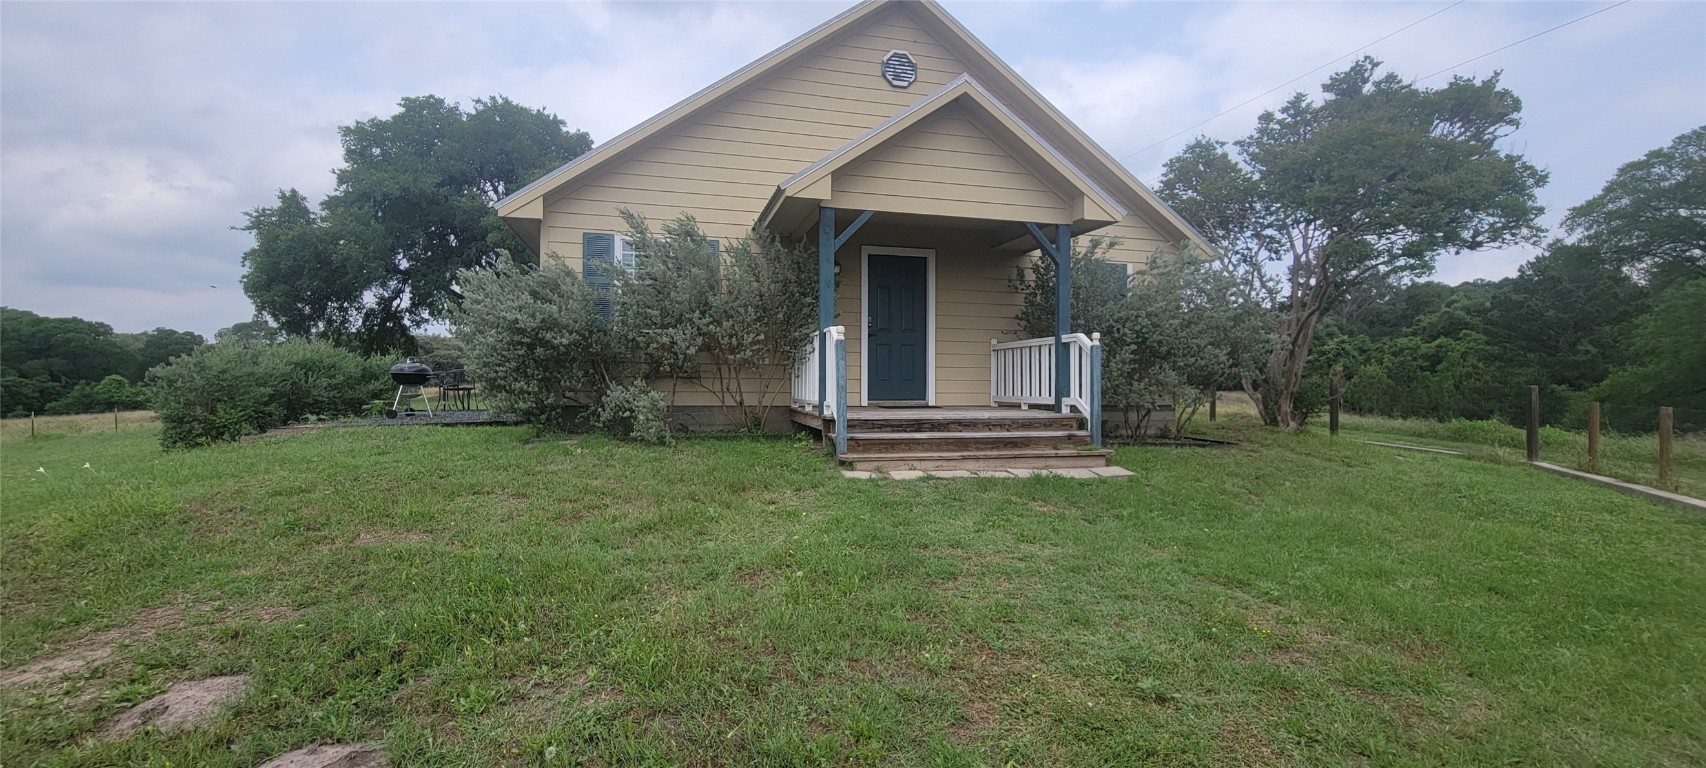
222 392
534 340
540 347
733 322
634 411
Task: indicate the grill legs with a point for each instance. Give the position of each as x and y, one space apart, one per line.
392 412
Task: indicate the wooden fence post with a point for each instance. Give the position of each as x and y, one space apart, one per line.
32 423
1533 441
1213 397
1593 436
1667 418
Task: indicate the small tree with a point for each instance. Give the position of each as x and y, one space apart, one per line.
1171 336
1370 184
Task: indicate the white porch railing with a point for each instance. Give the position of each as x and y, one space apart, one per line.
806 373
1022 373
810 384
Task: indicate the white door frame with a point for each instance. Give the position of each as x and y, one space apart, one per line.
929 256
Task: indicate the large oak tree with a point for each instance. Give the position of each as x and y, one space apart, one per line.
413 205
1370 183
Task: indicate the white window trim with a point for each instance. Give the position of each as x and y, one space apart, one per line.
624 254
929 256
624 248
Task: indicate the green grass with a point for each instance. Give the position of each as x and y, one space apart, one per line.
1625 456
468 598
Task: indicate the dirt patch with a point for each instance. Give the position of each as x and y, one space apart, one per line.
183 706
979 718
1251 747
757 578
1292 656
96 649
375 539
331 756
542 702
93 650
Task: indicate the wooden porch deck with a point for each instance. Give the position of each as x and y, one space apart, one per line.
807 415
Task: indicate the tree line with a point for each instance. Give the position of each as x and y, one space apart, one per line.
63 365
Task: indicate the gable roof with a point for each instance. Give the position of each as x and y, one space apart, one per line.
964 89
1097 166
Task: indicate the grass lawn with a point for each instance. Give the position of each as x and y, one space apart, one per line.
1624 456
468 598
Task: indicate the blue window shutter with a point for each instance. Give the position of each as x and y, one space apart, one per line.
598 264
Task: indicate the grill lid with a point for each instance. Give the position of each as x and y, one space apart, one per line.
410 372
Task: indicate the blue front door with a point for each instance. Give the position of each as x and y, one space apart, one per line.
898 331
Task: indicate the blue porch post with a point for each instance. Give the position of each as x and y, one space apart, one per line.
1059 251
1096 390
828 242
1062 312
825 299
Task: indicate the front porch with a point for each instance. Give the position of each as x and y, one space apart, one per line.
921 224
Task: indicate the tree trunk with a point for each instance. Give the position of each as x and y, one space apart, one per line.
1278 405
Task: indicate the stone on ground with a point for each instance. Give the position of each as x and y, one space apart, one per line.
1079 473
183 706
330 756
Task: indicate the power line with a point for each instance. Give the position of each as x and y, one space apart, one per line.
1252 99
1520 42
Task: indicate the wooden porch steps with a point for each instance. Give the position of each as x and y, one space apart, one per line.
939 439
945 460
862 443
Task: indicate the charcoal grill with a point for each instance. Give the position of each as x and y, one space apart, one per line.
409 375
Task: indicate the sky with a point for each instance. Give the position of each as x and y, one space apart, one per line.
134 136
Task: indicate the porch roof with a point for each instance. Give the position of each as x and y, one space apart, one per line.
1070 196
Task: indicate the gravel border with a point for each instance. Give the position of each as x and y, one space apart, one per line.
439 418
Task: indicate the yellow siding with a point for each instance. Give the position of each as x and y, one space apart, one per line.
1138 241
722 166
948 167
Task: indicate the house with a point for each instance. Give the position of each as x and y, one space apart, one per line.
926 171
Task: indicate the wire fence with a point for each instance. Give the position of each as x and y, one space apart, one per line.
1631 443
38 426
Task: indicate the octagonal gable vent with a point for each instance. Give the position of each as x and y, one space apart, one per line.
899 69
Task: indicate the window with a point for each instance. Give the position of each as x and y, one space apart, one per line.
625 253
609 248
1116 273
